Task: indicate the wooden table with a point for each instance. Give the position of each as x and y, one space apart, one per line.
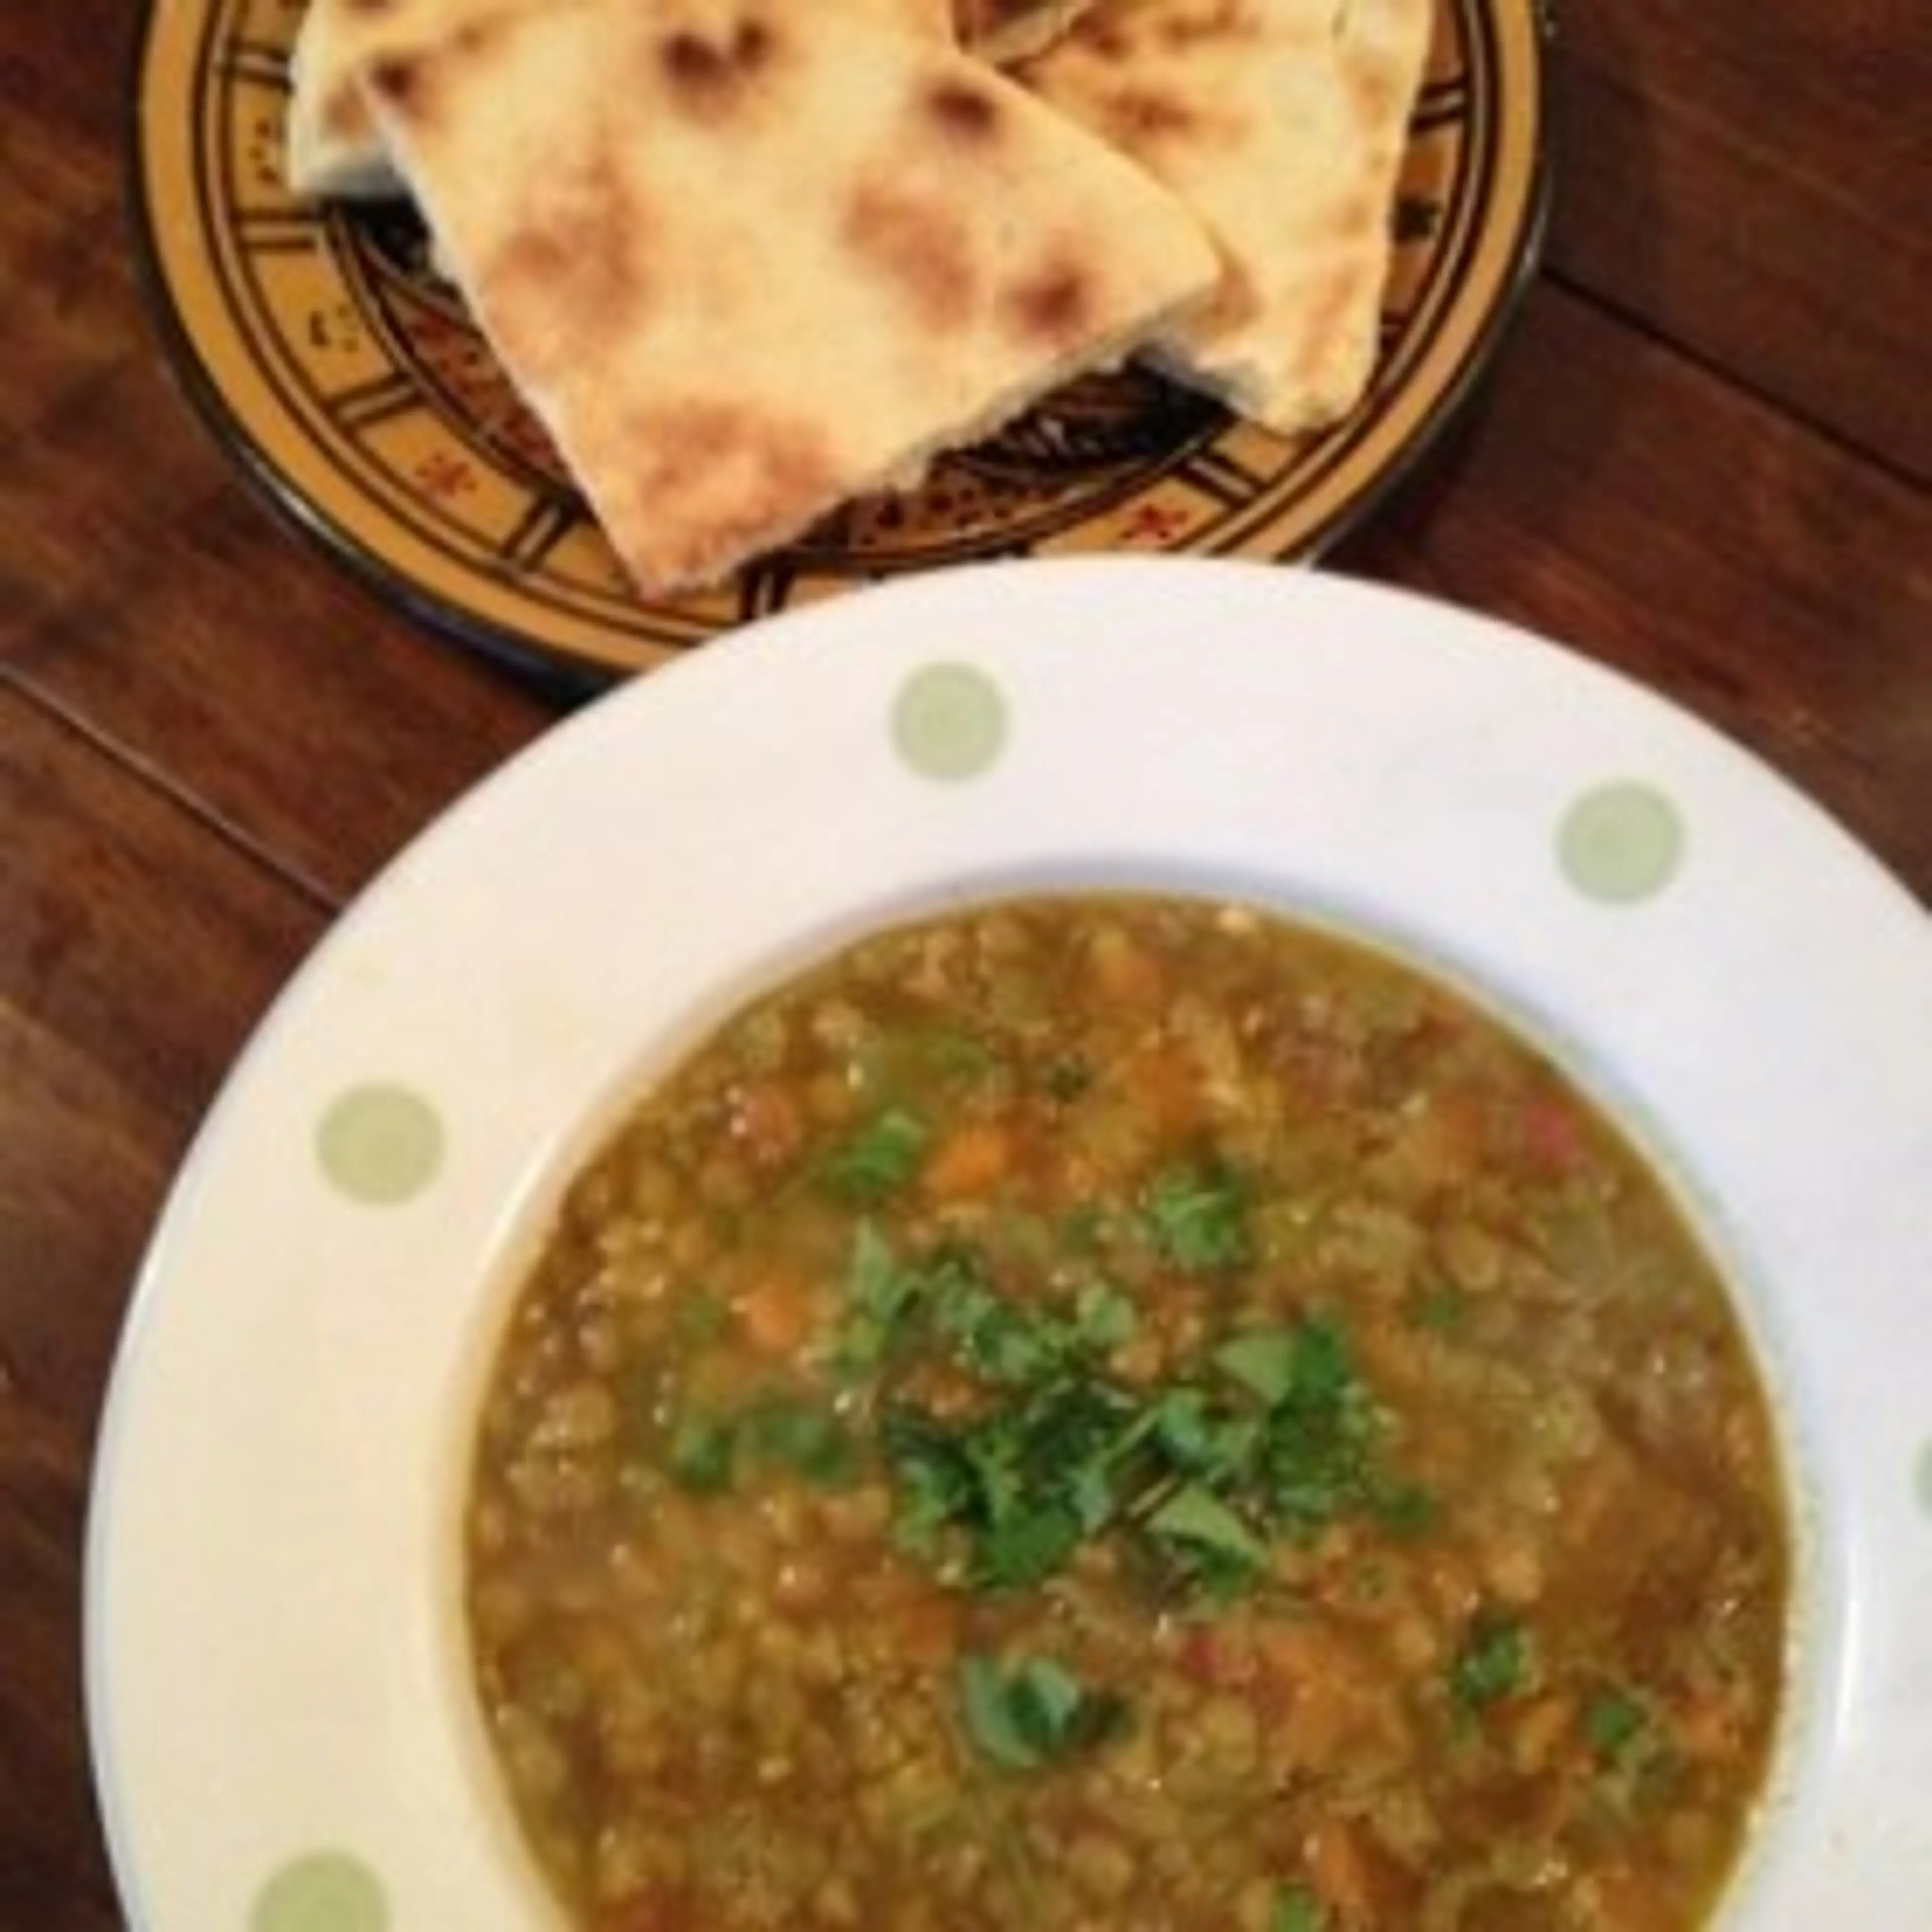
1703 456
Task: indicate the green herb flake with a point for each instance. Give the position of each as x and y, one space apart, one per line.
1190 1432
993 1338
703 1454
878 1294
1197 1219
1032 1713
1103 1318
877 1159
1263 1360
1195 1517
1495 1662
803 1436
1616 1723
1298 1908
1025 1546
934 1483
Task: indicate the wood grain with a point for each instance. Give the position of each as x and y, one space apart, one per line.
136 952
1751 182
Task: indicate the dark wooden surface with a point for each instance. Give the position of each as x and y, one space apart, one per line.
1705 456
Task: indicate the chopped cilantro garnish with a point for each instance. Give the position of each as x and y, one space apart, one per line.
1208 1532
1026 1544
1199 1438
1277 1437
1262 1360
790 1429
878 1291
1034 1712
1495 1663
1103 1318
933 1479
1197 1218
877 1159
1018 1486
995 1338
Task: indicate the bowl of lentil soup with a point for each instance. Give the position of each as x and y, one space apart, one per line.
1107 1244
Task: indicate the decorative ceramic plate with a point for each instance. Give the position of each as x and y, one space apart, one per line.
277 1678
348 379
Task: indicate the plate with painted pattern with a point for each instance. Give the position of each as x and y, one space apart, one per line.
281 1704
347 379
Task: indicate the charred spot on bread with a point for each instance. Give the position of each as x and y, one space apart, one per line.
374 9
708 75
964 109
1100 36
1054 306
409 81
915 247
1148 113
571 279
398 78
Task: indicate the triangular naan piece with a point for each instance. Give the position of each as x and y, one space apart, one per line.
1282 123
745 264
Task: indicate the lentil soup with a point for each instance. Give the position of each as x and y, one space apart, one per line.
1105 1411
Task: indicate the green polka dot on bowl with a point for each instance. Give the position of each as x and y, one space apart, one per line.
321 1891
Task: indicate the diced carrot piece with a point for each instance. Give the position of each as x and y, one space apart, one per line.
968 1161
1168 1086
1628 1900
1552 1135
1707 1728
1226 1661
776 1314
1338 1868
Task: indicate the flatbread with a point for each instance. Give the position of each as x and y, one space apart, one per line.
1282 123
335 150
745 264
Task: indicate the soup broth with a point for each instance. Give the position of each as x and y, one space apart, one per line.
1113 1412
